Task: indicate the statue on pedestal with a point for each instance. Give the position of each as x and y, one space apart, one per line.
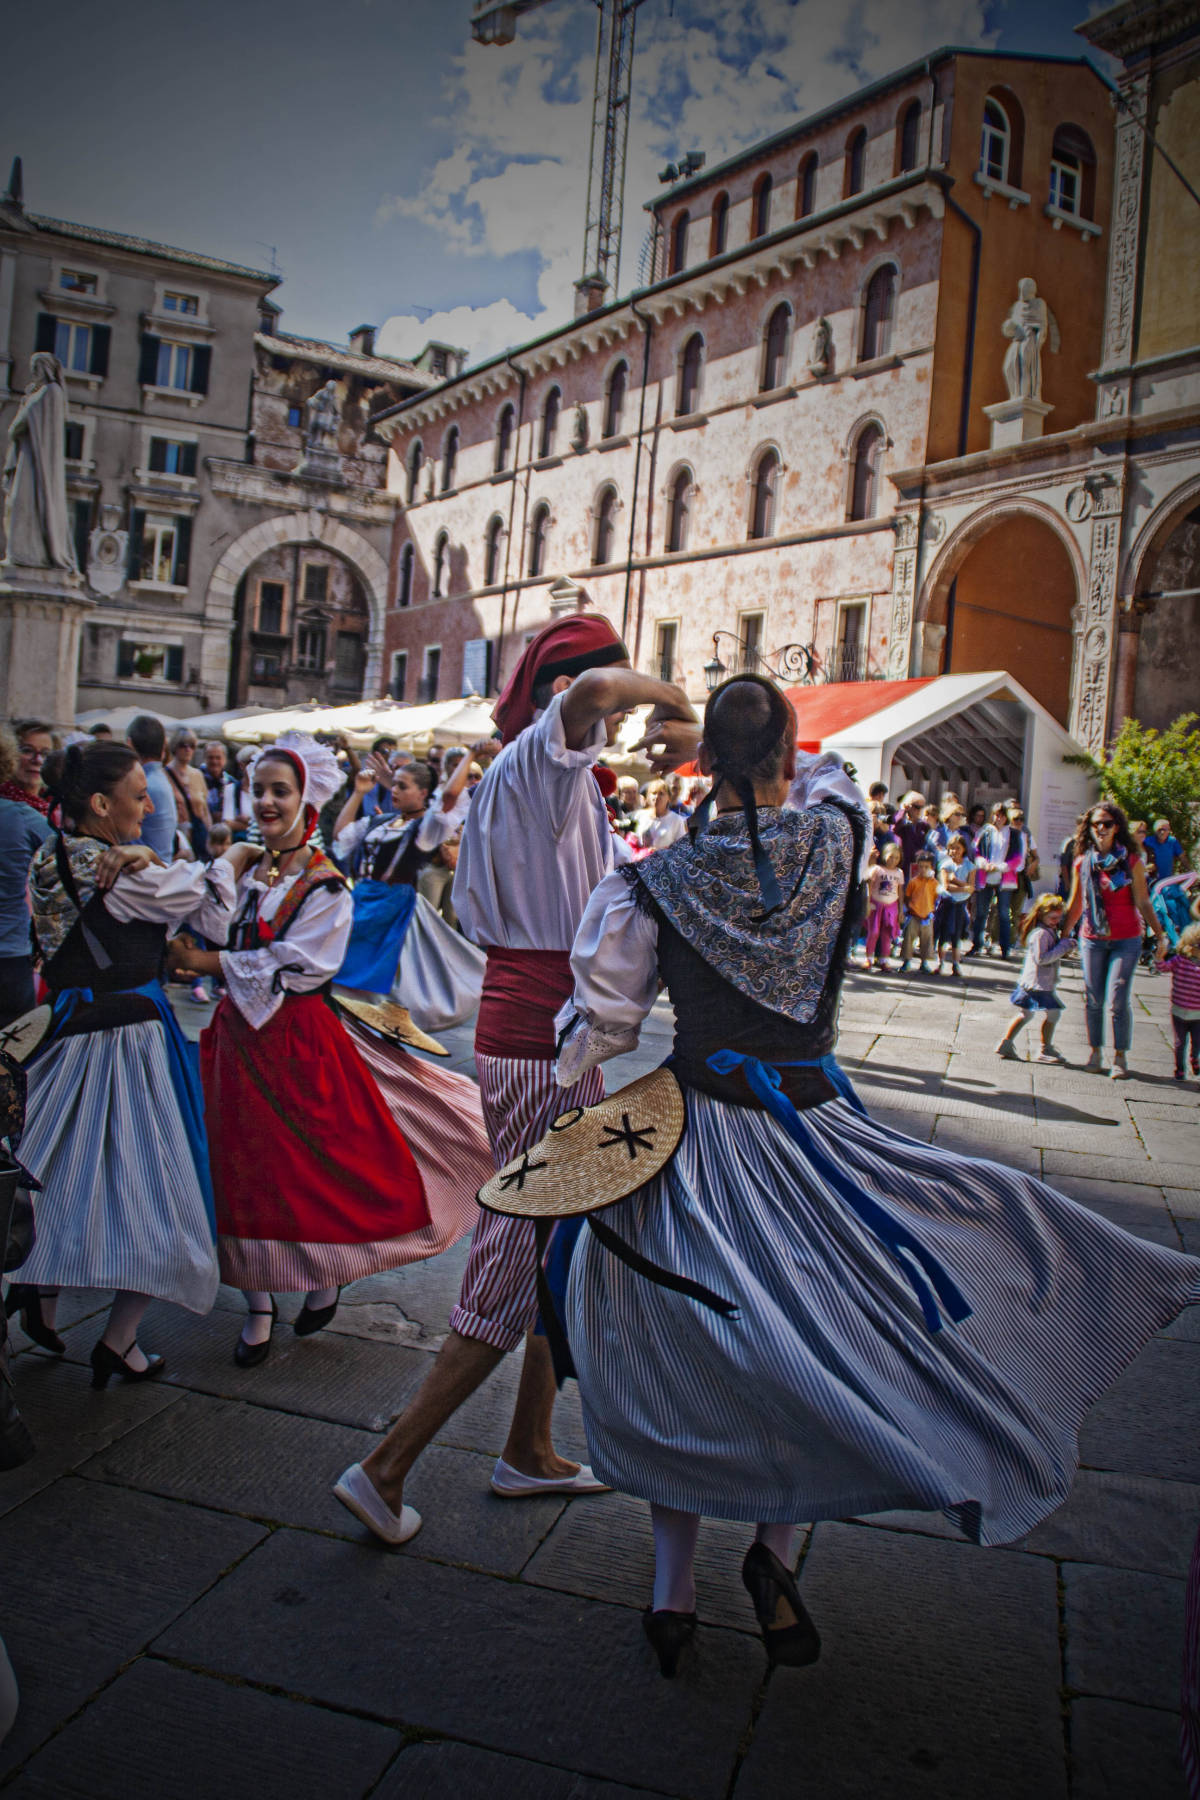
324 415
36 523
1029 325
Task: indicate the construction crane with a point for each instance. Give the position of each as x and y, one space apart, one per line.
495 22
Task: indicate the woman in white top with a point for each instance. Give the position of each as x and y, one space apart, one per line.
661 827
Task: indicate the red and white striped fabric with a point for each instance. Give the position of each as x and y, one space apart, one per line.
521 1100
1189 1713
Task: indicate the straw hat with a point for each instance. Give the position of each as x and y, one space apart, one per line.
392 1021
21 1038
593 1156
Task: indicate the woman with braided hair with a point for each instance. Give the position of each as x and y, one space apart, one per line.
805 1315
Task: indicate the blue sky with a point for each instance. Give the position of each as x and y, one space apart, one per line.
403 175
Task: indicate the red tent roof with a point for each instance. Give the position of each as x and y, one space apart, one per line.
821 712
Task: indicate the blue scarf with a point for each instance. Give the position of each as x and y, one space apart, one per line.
1115 865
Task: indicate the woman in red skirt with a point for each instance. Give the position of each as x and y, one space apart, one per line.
314 1182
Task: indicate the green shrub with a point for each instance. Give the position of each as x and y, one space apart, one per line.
1155 775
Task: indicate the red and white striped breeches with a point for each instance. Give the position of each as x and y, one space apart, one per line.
521 1099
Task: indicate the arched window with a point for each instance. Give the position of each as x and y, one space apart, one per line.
404 590
994 142
606 527
614 399
766 487
908 138
856 162
775 348
679 511
449 458
879 310
691 363
539 527
440 556
864 483
719 234
491 551
505 426
760 212
1072 172
806 186
550 412
416 458
679 231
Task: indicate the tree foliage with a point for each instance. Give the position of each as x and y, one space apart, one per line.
1155 775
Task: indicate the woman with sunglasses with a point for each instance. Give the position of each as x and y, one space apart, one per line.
1109 891
35 741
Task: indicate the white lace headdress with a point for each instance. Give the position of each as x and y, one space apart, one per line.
322 776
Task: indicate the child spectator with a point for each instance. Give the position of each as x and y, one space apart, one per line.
921 898
956 874
220 837
1185 998
885 884
1034 991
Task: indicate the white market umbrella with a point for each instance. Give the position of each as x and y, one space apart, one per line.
261 726
208 723
119 718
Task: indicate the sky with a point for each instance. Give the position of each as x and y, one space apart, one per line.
397 174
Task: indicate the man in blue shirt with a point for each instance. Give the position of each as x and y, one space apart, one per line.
147 736
1165 848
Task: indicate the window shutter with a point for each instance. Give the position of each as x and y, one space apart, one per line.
101 338
124 660
187 460
201 363
158 456
148 361
46 325
137 529
183 551
173 663
83 531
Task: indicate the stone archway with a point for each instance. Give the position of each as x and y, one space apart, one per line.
1003 594
310 527
1158 675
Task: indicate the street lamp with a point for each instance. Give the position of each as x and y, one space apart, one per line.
714 671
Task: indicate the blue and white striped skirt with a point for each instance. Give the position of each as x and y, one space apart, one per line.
826 1396
121 1205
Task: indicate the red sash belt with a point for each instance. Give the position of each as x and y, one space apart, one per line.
522 991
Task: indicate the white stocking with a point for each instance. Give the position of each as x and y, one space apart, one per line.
120 1334
675 1536
320 1297
257 1328
778 1538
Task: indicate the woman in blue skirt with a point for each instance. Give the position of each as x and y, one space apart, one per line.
885 1325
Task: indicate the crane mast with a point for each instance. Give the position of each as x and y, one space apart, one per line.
495 22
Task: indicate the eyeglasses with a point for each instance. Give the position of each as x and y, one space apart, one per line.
33 753
1104 824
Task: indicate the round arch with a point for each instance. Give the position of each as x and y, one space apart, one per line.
1162 678
308 528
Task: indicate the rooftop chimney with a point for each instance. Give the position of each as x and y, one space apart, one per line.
362 339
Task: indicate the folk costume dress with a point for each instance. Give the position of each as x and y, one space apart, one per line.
114 1128
400 946
913 1328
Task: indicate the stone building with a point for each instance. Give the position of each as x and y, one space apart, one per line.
716 460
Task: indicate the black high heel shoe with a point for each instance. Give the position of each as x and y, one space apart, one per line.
248 1356
789 1634
106 1363
26 1300
670 1633
314 1318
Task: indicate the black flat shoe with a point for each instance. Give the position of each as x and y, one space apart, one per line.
27 1301
670 1633
310 1319
106 1363
789 1634
248 1356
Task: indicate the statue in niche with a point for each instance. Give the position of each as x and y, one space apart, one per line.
579 431
36 524
323 417
1029 325
821 360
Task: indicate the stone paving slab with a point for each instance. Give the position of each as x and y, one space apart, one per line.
482 1424
1124 1521
1184 1202
1149 1421
1119 1750
70 1422
993 1145
938 1677
1124 1634
464 1522
443 1771
90 1575
567 1681
1186 1326
160 1733
1093 1163
74 1305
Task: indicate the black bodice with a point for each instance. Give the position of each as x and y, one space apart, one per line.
99 952
396 860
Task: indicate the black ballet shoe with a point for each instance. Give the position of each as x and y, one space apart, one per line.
248 1356
106 1363
789 1634
670 1633
26 1300
310 1319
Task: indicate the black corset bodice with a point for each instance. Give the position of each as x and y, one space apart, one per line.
396 860
99 952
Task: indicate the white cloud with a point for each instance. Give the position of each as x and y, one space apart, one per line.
707 78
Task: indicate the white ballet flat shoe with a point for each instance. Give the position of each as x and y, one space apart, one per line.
358 1493
510 1484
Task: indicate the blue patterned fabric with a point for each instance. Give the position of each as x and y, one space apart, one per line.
707 888
382 914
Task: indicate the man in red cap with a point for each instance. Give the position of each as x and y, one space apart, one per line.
536 843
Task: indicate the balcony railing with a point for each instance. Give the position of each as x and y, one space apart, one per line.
848 662
794 664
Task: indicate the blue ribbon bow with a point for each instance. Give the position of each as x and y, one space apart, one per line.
931 1287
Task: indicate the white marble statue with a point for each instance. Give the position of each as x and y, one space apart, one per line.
323 417
822 348
36 524
1030 325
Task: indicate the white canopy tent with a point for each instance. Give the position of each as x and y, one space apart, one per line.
119 718
414 727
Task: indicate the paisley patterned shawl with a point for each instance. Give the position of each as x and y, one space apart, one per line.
53 911
707 889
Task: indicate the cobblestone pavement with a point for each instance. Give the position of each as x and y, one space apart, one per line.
190 1613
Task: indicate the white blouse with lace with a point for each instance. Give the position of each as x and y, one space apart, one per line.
436 827
310 955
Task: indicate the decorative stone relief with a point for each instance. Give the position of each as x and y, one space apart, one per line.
904 584
1094 635
108 549
1126 233
933 528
